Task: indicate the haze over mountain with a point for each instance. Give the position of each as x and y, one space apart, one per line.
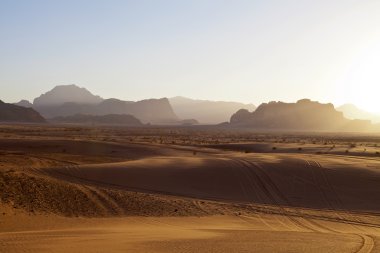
351 111
206 111
67 100
305 115
66 93
15 113
109 119
24 103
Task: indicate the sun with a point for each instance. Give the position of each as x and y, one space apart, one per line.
361 85
367 97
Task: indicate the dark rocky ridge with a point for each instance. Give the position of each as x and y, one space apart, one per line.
15 113
305 115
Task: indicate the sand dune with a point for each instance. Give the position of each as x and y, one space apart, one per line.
88 195
311 181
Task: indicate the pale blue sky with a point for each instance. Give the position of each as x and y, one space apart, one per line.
249 51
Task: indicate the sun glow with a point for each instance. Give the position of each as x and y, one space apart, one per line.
361 85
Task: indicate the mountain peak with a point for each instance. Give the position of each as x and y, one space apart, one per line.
24 103
67 93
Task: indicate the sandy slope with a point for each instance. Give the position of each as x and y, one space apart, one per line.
265 202
312 181
256 233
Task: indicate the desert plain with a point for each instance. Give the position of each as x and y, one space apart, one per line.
67 188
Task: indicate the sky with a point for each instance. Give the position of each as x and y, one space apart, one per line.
235 50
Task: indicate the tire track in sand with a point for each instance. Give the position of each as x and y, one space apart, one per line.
367 244
272 193
273 189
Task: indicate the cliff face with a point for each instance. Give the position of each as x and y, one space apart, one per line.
153 111
15 113
305 115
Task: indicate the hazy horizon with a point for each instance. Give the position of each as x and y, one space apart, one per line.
245 51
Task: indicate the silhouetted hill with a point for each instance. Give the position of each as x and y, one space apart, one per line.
66 93
15 113
24 103
305 115
350 111
205 111
188 122
109 119
68 100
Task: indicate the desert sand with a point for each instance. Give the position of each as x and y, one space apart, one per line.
72 189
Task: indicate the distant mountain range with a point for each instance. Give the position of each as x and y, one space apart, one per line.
68 100
72 104
305 115
15 113
350 111
110 119
205 111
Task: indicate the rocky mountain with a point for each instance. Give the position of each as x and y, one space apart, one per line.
66 93
305 115
205 111
156 111
15 113
109 119
24 103
350 111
